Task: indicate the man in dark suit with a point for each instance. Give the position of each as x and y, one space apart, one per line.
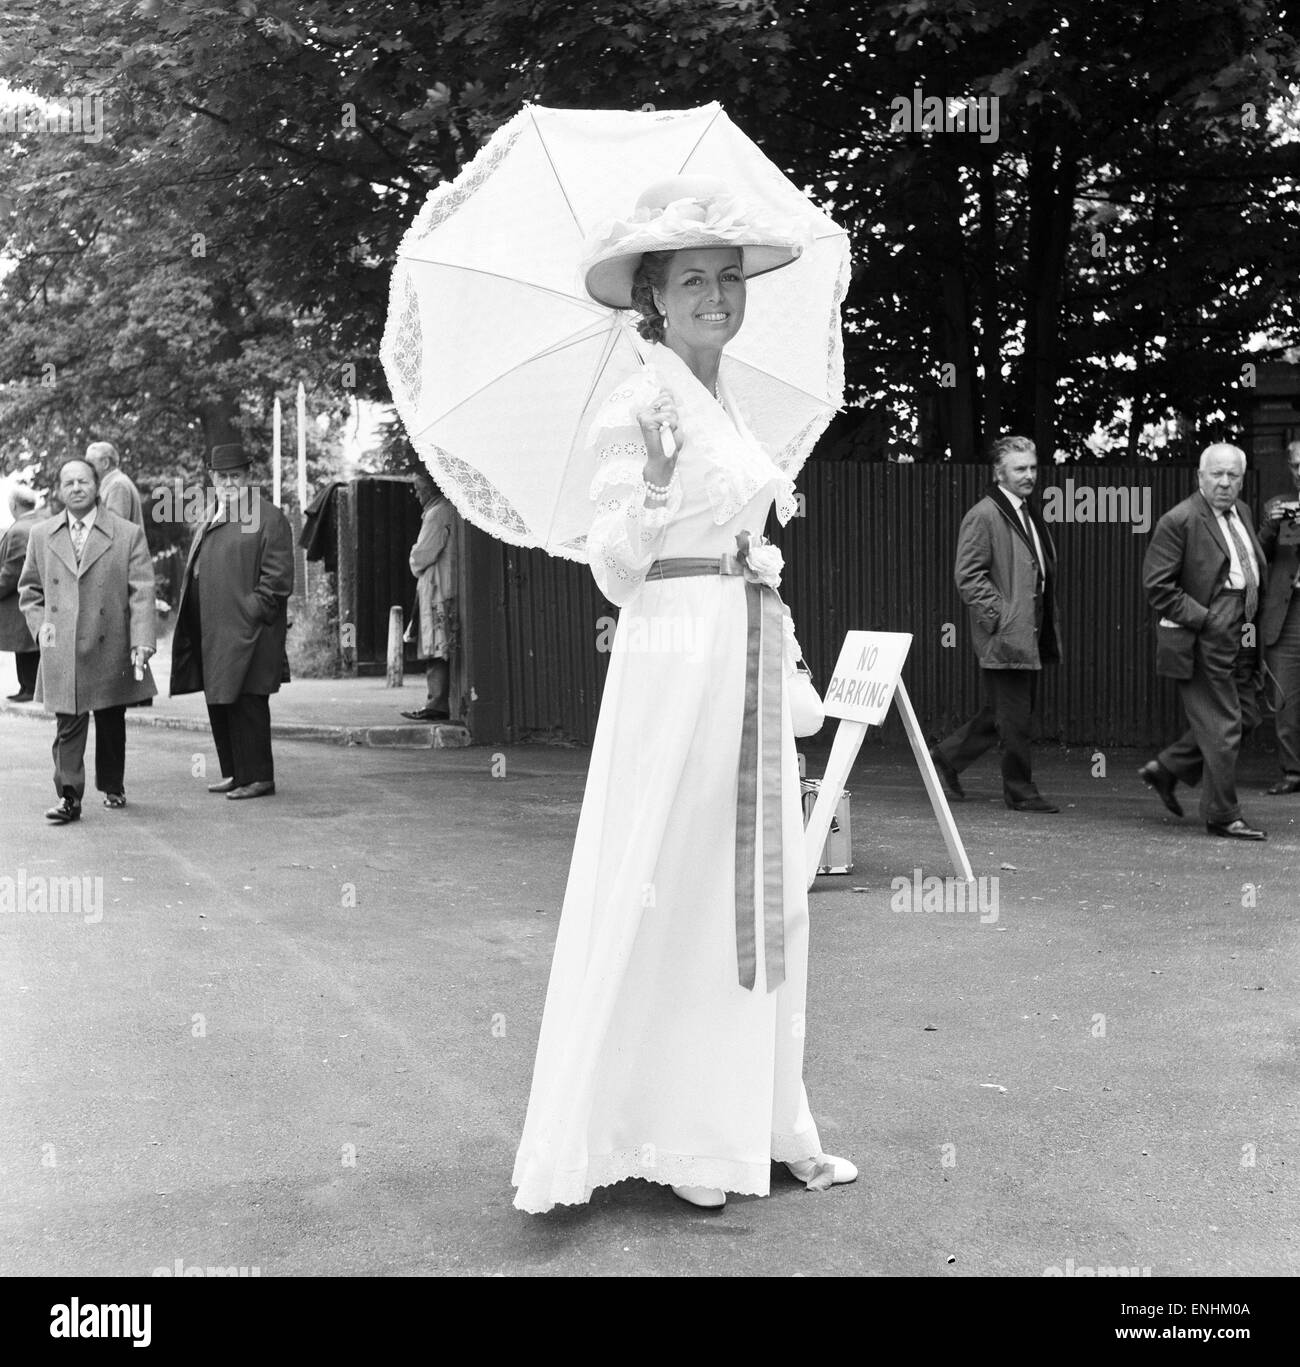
1006 575
87 591
13 628
1204 573
231 623
1279 619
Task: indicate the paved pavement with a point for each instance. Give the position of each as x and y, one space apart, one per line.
361 711
297 1034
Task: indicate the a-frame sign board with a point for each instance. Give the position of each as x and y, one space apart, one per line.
867 678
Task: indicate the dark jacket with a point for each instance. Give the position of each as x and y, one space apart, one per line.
1283 563
88 617
13 551
996 574
1186 564
244 582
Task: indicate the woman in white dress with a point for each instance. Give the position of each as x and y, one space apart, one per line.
671 1046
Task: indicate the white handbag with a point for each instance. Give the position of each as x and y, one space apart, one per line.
806 710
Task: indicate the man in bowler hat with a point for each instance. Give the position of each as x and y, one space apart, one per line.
231 623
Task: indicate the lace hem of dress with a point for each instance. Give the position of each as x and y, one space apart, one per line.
668 1169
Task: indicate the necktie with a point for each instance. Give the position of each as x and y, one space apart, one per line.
1033 545
78 537
1248 566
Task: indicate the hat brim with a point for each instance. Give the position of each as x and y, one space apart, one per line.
609 278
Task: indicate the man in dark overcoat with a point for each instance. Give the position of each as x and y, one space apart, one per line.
1006 575
13 626
231 622
1205 574
87 592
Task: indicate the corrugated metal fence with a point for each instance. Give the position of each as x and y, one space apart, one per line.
874 550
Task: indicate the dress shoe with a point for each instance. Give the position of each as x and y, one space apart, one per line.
838 1170
1289 784
427 714
1234 830
708 1197
115 800
262 788
67 810
224 786
1037 803
948 777
20 697
1156 776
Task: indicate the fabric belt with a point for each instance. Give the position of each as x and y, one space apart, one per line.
764 632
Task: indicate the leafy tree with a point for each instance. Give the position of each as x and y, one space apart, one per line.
296 139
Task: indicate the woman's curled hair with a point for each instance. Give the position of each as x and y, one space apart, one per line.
651 275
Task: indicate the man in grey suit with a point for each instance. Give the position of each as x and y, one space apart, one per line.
116 491
1204 573
1279 619
1006 575
87 591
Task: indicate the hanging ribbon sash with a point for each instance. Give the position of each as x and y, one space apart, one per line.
761 726
760 730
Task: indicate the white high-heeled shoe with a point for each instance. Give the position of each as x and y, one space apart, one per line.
708 1197
841 1170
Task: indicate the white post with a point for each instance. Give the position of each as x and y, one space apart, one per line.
938 798
395 661
277 460
302 485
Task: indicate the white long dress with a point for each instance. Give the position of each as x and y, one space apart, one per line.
653 1061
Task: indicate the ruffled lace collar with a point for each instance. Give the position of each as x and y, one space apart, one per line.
738 467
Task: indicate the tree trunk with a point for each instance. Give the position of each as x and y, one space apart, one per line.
1053 179
955 336
990 311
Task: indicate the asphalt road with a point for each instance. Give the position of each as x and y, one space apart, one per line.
299 1034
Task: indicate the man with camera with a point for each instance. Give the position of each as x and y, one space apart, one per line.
1279 625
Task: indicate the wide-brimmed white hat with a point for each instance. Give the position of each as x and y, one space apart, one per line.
678 213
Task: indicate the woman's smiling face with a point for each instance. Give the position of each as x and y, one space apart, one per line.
703 297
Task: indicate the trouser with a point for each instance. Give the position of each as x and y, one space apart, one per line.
1284 663
1010 695
241 731
28 662
1221 702
437 684
70 751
